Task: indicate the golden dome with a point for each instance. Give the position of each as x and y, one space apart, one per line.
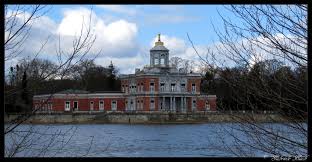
159 43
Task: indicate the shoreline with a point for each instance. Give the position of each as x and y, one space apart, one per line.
148 118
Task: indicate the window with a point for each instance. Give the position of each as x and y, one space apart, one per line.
114 105
194 105
193 88
152 87
138 105
162 61
172 87
122 88
91 105
44 107
131 105
162 87
126 89
101 105
152 107
141 105
183 87
67 106
50 106
141 87
75 105
207 105
156 61
36 106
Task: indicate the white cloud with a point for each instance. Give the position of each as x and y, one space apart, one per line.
176 46
75 20
125 65
179 48
45 23
116 39
264 49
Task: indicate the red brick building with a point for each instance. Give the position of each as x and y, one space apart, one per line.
157 87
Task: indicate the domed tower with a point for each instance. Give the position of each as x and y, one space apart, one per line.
159 55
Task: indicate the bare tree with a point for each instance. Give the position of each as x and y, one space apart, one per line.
16 34
182 64
18 22
176 61
265 32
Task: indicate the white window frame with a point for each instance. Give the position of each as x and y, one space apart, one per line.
131 104
183 87
193 87
162 61
67 108
152 104
44 107
138 104
101 108
156 61
142 87
162 87
114 106
36 107
207 105
194 104
152 87
173 87
91 107
50 106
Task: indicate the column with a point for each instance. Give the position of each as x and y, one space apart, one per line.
164 105
185 105
174 104
170 104
182 103
134 102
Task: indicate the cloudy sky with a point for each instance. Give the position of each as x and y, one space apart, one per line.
125 33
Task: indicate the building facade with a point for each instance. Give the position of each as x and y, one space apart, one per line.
157 87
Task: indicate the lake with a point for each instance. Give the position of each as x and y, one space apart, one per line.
122 140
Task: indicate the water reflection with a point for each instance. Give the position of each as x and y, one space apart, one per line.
118 140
